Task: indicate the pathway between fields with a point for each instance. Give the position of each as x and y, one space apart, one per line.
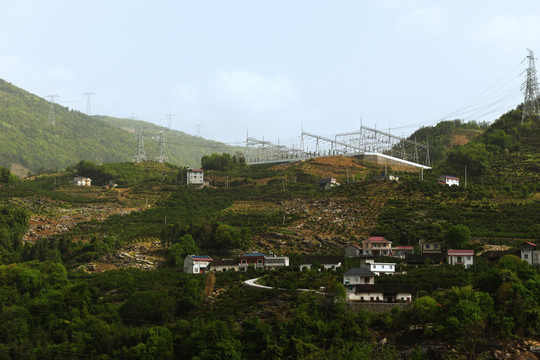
253 283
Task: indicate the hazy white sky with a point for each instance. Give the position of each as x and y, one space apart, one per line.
267 67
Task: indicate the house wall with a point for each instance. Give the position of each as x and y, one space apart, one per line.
383 268
325 266
530 255
195 177
357 280
432 248
271 262
465 260
352 251
221 268
403 296
367 296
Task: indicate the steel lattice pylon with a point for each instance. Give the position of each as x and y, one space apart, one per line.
531 104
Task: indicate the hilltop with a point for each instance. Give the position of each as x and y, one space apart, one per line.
29 142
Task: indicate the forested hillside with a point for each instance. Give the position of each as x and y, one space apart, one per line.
97 272
444 136
29 139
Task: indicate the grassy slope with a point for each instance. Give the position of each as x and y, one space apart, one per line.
27 138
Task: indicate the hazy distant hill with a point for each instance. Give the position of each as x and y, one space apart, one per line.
28 138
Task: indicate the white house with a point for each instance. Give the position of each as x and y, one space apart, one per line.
326 262
460 257
448 180
530 253
197 264
357 276
382 268
195 177
224 265
388 293
81 181
273 262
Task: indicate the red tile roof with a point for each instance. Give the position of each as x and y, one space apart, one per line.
460 252
377 238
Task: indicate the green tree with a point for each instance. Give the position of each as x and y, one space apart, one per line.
177 252
425 310
159 344
457 236
473 155
150 305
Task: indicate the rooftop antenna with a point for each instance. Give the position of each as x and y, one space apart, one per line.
531 105
51 112
88 107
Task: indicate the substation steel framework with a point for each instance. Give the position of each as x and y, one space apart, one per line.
364 141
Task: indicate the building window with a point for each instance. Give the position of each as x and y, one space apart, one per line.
525 256
435 246
243 261
459 260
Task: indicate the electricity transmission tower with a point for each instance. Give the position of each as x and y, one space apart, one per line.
162 157
132 122
198 126
170 117
531 104
88 107
141 154
51 112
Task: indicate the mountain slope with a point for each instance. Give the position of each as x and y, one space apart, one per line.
28 139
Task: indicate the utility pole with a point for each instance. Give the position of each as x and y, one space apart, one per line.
531 104
88 106
51 112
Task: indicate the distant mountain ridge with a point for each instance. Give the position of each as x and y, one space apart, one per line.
28 139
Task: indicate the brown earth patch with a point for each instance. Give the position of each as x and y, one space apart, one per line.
459 139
